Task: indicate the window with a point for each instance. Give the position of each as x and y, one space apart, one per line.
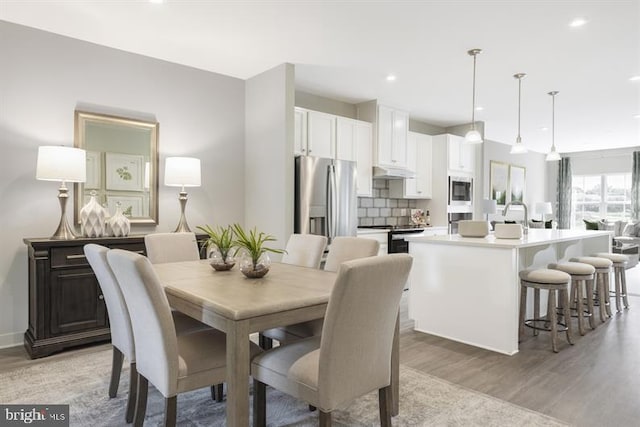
596 197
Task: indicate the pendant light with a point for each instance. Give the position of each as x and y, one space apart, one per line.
553 155
518 147
473 136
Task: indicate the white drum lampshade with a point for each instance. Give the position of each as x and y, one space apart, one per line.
543 208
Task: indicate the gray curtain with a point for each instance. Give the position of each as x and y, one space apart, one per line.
635 186
564 194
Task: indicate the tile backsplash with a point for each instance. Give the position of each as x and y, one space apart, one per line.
382 210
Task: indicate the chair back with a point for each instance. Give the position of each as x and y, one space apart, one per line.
357 337
304 250
119 321
153 328
345 248
171 247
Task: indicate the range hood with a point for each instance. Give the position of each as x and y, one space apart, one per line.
385 172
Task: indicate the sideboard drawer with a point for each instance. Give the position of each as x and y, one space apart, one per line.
68 256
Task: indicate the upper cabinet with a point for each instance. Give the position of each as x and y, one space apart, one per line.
462 156
314 134
391 143
325 135
419 159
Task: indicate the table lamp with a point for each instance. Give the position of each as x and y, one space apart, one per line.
64 164
489 206
182 172
543 208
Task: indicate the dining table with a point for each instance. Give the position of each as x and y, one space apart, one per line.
239 306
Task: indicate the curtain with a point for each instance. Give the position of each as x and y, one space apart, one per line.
564 193
635 186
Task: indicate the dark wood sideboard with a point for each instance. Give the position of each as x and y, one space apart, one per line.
66 305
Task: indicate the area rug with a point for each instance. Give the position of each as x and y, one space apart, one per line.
81 381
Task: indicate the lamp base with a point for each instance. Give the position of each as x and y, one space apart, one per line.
64 231
182 227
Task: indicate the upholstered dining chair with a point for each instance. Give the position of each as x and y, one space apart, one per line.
342 249
304 250
172 363
120 324
171 247
328 371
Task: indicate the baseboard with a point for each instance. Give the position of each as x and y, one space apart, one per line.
13 339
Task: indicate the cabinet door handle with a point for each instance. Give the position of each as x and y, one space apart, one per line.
100 296
70 257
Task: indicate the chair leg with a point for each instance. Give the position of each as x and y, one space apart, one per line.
623 280
523 309
259 404
607 297
618 272
567 315
133 392
219 392
536 307
580 306
553 320
588 286
600 286
265 343
384 401
116 369
141 401
324 419
170 411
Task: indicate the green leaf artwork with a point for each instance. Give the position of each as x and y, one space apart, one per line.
124 173
128 211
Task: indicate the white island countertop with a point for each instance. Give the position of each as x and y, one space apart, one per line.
535 237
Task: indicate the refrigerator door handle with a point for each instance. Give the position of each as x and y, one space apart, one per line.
331 202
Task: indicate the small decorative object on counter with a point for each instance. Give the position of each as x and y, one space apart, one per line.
219 245
427 219
254 261
417 217
120 225
92 218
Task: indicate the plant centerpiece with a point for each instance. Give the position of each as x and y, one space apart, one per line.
219 244
255 261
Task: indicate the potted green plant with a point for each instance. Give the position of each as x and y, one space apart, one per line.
255 262
219 245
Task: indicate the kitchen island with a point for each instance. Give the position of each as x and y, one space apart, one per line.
467 289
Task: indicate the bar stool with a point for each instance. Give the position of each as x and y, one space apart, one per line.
555 282
603 268
580 273
620 262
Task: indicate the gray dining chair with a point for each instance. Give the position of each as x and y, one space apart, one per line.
328 371
342 249
172 363
120 324
171 247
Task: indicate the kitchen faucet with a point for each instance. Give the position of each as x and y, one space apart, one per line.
525 227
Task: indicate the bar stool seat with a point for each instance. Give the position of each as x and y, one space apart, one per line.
603 269
555 282
580 273
620 262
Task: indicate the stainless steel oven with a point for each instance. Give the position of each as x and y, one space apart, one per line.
460 191
455 217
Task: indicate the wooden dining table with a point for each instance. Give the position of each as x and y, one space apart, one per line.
239 306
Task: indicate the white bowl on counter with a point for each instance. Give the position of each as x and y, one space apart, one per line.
508 231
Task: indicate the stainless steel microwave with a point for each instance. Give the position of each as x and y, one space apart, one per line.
460 191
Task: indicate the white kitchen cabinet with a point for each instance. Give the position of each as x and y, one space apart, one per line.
346 146
364 157
391 143
321 134
300 132
462 156
419 159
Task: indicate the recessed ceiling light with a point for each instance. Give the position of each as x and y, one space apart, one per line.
391 78
634 78
578 22
544 128
636 116
479 108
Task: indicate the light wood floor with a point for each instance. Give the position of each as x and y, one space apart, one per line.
595 382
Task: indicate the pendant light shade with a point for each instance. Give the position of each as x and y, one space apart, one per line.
518 147
473 136
553 155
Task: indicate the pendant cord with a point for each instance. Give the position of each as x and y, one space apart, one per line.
553 123
473 95
519 98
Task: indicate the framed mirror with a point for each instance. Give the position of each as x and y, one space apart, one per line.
122 165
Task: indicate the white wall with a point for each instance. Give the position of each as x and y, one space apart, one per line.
43 78
269 165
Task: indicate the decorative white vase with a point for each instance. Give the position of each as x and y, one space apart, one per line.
120 225
107 224
92 218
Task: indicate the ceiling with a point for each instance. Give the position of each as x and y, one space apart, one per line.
345 50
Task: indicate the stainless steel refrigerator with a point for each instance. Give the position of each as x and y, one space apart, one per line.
325 197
